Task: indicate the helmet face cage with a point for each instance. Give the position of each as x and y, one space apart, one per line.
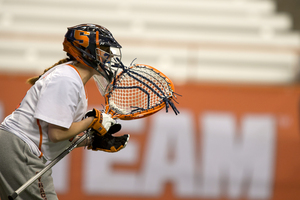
108 58
111 65
92 46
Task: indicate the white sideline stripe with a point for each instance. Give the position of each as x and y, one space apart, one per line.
290 39
242 74
205 73
232 6
39 13
223 55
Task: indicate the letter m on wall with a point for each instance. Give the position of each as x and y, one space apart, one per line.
238 158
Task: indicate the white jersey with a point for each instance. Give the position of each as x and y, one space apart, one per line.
58 98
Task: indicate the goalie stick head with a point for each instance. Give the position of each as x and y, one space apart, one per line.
139 91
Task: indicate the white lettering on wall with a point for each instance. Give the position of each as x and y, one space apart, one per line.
243 159
170 154
227 158
100 177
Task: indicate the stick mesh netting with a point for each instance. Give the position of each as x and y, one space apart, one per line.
138 89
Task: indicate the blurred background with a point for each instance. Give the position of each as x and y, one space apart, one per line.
243 41
236 65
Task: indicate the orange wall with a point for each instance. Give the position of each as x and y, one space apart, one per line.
281 102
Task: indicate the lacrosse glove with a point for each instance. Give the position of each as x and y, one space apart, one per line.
107 142
101 123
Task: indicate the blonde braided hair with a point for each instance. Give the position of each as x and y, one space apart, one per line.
32 80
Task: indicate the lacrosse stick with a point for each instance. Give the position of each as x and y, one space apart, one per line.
139 91
136 92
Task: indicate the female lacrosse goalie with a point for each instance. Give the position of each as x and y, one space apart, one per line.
54 111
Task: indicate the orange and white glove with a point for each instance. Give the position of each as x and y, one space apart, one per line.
101 123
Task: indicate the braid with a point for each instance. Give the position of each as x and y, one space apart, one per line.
32 80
